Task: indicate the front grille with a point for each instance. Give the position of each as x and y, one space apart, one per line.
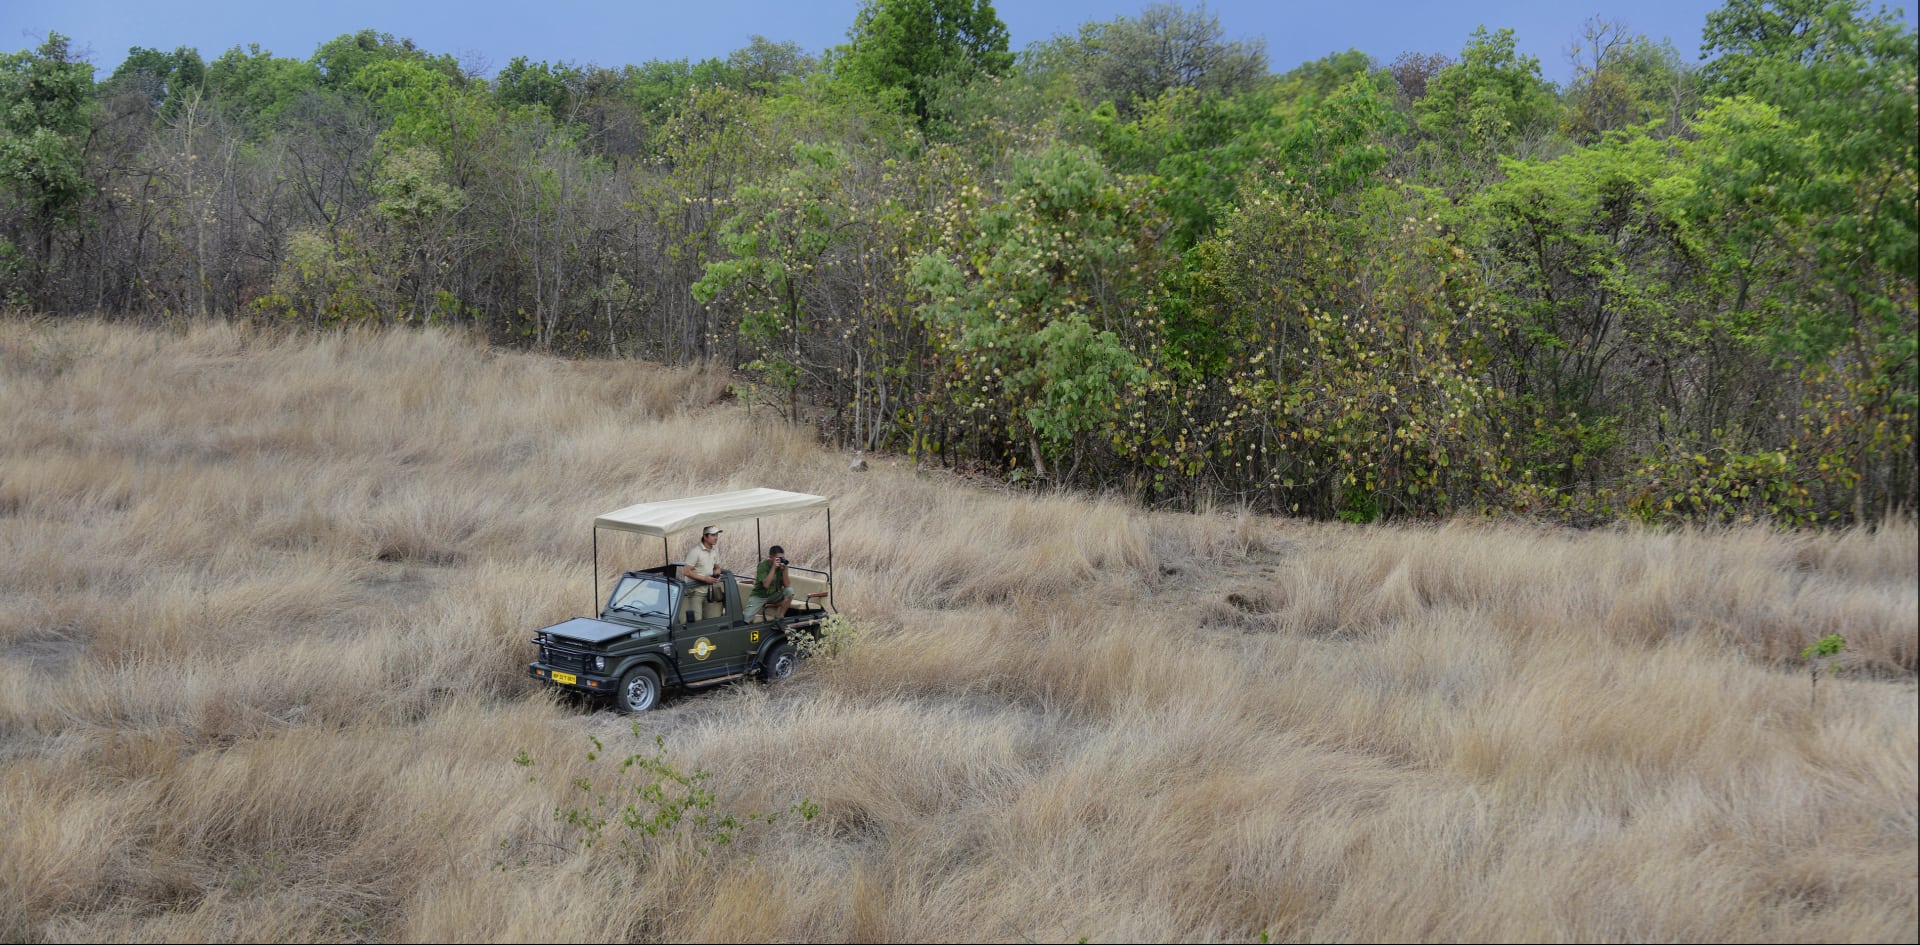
569 660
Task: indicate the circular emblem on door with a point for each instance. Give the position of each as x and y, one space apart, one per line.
703 648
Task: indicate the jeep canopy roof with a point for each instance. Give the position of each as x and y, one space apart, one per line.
661 519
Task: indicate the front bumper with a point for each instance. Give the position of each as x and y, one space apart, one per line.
584 682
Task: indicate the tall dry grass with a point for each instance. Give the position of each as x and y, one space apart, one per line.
264 604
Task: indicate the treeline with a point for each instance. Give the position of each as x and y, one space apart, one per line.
1131 259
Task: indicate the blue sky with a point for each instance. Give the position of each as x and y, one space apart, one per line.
488 33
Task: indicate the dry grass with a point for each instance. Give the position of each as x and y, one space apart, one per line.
264 604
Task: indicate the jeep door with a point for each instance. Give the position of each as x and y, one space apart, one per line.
717 646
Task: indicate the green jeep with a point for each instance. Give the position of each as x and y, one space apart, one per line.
655 631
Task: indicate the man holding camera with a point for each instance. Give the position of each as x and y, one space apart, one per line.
770 585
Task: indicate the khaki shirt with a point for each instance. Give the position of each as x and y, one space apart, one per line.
703 560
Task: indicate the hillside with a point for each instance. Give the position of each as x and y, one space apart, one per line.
1137 258
265 602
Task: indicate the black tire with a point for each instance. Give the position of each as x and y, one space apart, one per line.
639 690
779 664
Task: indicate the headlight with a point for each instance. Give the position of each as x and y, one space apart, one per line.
599 664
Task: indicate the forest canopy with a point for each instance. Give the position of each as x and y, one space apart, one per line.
1134 258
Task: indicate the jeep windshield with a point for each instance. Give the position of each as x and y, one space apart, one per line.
645 595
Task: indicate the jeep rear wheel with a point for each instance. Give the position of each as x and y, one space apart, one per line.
779 664
639 690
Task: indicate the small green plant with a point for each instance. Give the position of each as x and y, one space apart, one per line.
645 800
837 636
1358 506
1823 653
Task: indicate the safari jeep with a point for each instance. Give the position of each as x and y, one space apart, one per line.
655 631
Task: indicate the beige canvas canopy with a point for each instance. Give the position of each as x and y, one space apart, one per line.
666 518
661 519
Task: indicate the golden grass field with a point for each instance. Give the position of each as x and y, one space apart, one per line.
265 603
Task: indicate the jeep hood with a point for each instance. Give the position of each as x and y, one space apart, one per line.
589 630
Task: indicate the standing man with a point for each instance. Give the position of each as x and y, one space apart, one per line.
703 562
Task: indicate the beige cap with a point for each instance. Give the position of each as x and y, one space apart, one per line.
711 531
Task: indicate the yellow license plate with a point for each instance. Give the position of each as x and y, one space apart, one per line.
567 678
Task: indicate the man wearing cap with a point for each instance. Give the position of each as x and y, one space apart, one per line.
703 562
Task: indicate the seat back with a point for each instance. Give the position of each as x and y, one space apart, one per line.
805 583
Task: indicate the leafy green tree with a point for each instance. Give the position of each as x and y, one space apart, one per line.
1821 188
46 110
553 88
418 200
1351 381
322 283
412 189
252 87
163 78
776 260
1202 148
1130 61
341 60
1029 307
712 144
660 87
906 50
1198 144
425 107
1491 102
763 64
1757 47
1608 327
1317 79
1339 144
1319 339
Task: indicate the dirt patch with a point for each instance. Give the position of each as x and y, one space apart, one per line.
635 733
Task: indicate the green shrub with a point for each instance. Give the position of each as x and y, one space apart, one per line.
636 806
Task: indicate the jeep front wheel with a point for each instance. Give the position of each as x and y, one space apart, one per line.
639 690
779 663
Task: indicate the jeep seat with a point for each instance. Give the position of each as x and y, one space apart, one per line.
805 585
